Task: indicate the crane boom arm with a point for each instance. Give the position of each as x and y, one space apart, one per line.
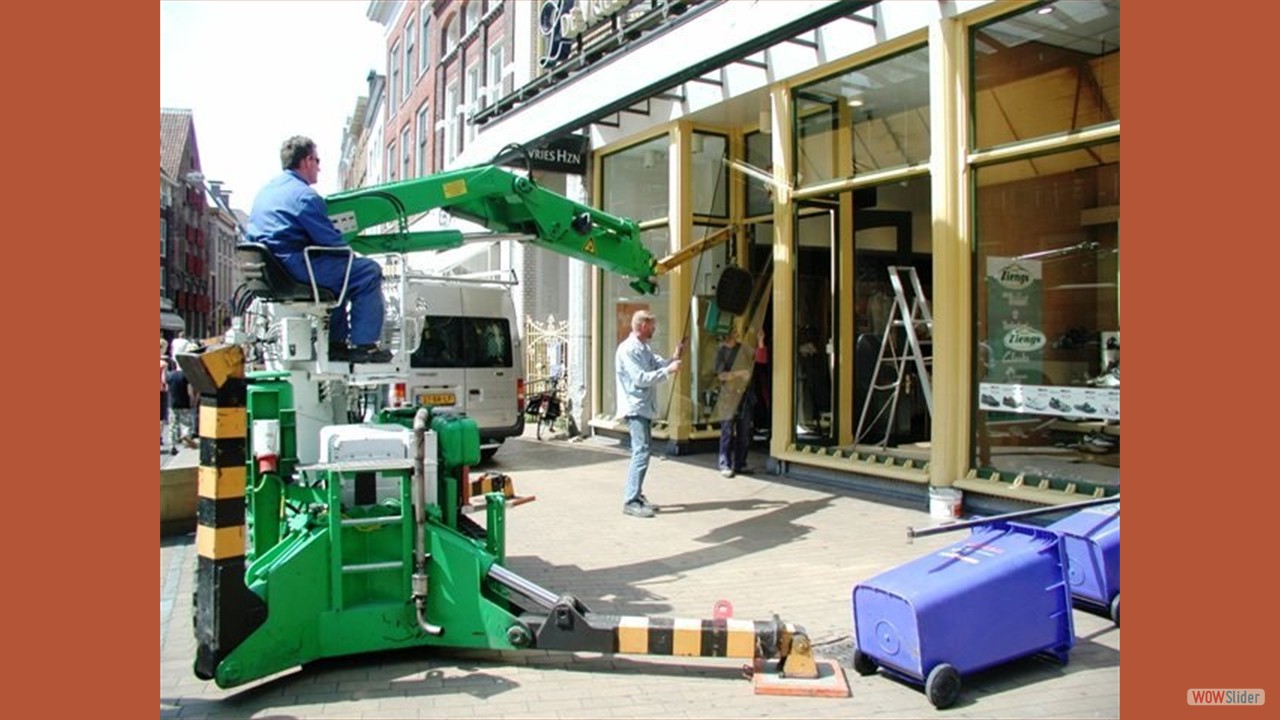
500 201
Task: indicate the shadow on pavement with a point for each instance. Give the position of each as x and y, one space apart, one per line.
618 589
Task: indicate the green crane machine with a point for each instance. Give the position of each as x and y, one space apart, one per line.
320 537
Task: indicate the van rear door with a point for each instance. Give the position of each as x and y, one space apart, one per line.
437 374
493 368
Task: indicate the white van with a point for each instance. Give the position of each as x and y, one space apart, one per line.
465 353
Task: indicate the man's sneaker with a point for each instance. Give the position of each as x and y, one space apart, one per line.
990 401
1010 401
635 508
1058 405
369 354
726 472
645 502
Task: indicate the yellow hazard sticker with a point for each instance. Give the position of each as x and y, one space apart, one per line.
590 246
454 188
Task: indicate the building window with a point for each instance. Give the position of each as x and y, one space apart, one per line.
391 162
497 56
472 99
409 75
393 70
424 52
164 238
451 123
423 115
474 10
449 35
406 153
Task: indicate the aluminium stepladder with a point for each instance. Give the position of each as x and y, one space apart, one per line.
911 318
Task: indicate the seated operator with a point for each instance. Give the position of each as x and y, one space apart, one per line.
288 216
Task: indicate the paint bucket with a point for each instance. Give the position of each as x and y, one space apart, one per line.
945 502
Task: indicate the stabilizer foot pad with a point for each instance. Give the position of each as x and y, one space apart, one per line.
831 681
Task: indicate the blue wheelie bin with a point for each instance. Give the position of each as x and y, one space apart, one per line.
1092 539
999 594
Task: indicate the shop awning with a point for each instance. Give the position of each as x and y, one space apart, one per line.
171 321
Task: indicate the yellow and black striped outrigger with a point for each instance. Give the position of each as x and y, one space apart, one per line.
226 611
569 625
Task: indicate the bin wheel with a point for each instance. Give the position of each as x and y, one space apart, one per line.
1115 609
942 686
864 664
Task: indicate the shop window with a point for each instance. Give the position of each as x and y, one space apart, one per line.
1047 317
636 181
1052 69
887 106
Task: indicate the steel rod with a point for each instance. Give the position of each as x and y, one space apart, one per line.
912 533
534 592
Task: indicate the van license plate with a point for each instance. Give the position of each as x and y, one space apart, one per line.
441 398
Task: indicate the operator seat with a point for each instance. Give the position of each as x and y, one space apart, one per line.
267 278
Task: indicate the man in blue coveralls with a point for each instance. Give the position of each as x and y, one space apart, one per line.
288 216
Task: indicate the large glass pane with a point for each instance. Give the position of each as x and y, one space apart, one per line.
1048 70
710 174
636 181
620 302
888 104
1048 317
759 155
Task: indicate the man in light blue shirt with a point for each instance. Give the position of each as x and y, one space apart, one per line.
289 216
638 370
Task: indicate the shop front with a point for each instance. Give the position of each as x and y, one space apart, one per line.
926 199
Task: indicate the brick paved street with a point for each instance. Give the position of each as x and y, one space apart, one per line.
767 546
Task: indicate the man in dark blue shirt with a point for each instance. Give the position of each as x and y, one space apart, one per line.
289 216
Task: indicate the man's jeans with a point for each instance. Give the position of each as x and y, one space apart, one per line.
640 441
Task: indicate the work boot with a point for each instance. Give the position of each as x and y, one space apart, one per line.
369 354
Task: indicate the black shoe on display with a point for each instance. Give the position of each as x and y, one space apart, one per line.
1058 405
1010 401
988 400
369 354
1086 408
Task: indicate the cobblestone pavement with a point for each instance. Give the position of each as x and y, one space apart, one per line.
766 545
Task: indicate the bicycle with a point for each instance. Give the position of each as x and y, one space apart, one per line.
546 407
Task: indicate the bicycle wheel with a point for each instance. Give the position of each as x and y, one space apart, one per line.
544 421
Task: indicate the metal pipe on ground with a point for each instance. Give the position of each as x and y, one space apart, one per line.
913 533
